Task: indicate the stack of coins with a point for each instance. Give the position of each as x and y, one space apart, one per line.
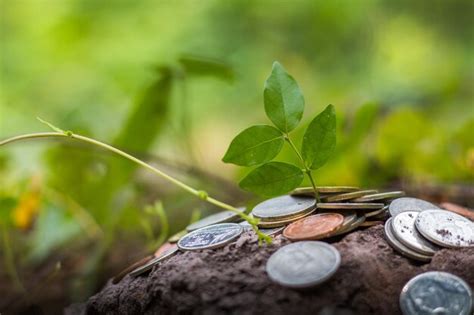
418 229
359 207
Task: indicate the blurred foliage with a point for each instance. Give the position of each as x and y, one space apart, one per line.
140 75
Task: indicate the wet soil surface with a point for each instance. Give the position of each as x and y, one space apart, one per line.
232 280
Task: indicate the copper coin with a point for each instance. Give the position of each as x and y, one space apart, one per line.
371 223
163 248
465 212
314 227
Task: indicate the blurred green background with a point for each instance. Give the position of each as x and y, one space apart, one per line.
174 81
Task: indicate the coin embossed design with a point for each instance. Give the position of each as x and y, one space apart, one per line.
303 264
445 228
219 217
399 247
436 292
380 196
283 207
314 227
211 236
405 231
400 205
348 196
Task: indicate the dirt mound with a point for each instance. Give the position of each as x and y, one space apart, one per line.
233 280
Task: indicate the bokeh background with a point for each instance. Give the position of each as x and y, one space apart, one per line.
173 82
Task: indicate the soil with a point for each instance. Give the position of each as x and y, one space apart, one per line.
232 280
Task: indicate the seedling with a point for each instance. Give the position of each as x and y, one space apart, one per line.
259 145
255 146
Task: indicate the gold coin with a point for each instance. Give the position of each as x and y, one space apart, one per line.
274 224
349 206
375 213
175 238
349 195
371 223
381 196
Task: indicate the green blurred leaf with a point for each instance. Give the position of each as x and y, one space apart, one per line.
7 204
284 102
364 119
53 229
254 145
207 67
273 178
319 140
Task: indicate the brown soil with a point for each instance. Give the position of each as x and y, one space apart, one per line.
233 280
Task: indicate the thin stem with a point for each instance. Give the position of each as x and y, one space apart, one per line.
199 193
9 261
306 168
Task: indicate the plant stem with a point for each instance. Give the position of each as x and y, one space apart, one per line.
9 261
198 193
306 169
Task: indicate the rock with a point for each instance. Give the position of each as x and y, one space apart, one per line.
233 280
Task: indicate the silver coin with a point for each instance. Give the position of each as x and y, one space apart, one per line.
219 217
303 264
405 231
349 206
436 292
375 213
149 265
351 226
211 236
283 207
400 205
380 196
446 228
349 195
399 247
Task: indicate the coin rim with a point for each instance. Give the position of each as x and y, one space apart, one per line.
388 195
399 247
348 196
150 264
437 241
410 283
349 205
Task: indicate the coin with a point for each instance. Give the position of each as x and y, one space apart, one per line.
400 205
349 195
309 191
349 206
380 196
278 223
399 247
370 223
314 227
303 264
403 226
219 217
436 292
283 207
164 248
445 228
211 236
375 213
269 231
465 212
149 265
133 266
352 226
175 237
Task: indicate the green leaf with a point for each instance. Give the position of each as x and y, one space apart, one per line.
254 145
319 140
273 178
284 102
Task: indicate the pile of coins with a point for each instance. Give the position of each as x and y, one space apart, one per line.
413 227
417 229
